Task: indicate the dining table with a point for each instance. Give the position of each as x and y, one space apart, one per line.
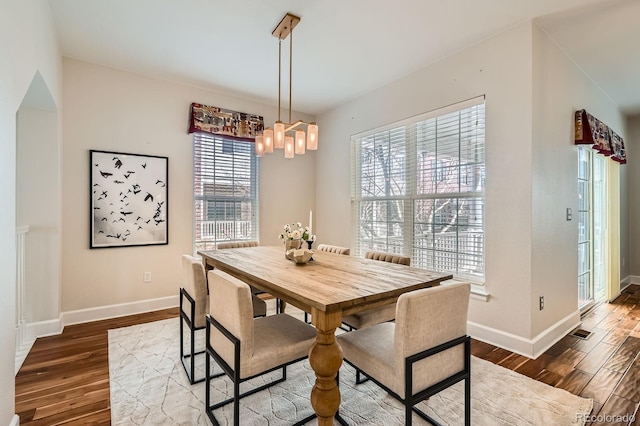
328 287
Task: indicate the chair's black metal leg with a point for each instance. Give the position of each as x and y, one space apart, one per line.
467 401
236 403
193 356
359 379
207 380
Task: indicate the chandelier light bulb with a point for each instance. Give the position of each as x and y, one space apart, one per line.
288 147
300 141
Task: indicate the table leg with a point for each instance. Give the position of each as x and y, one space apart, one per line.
325 358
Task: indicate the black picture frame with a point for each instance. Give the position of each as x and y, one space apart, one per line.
128 199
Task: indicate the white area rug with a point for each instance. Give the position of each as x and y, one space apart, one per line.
149 387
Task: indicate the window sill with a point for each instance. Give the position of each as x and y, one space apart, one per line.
478 289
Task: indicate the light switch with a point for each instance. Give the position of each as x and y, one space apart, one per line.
569 213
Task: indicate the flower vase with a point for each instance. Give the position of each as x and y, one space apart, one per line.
292 244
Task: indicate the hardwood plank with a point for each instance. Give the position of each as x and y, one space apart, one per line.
601 385
575 381
618 363
597 334
594 412
566 362
630 347
549 377
616 337
533 367
596 358
562 345
513 361
617 411
629 386
480 348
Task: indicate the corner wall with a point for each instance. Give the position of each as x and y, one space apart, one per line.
560 88
500 68
28 44
632 145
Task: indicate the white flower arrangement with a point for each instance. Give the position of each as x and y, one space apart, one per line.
295 231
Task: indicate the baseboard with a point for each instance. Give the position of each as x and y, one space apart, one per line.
43 329
15 421
120 310
531 348
21 354
626 282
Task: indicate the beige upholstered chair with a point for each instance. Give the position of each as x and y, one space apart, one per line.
194 305
280 305
236 244
244 347
383 313
334 249
388 257
425 351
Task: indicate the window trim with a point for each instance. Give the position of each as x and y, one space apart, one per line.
411 195
253 197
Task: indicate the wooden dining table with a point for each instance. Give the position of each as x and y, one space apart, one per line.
328 287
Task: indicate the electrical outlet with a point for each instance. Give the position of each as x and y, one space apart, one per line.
146 277
541 302
569 213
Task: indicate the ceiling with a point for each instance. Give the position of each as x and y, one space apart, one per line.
342 49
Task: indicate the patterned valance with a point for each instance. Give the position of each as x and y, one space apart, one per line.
225 122
590 130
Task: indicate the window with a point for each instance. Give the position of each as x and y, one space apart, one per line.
418 189
225 190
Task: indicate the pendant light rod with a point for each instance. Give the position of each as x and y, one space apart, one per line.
279 75
290 71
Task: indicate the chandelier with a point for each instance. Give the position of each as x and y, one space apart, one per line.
288 136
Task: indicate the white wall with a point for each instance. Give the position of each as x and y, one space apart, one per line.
37 198
499 67
560 88
632 145
111 110
28 44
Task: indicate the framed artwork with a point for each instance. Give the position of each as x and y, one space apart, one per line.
129 196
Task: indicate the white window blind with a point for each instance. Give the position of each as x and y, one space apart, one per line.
225 190
418 189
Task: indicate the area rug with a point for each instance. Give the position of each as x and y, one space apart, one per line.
149 387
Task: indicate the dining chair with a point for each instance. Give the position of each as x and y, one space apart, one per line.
280 305
194 305
425 351
334 249
246 347
383 313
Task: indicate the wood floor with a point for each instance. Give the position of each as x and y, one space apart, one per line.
65 378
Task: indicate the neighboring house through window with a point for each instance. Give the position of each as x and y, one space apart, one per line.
225 190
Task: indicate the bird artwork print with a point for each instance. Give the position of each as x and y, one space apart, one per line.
135 188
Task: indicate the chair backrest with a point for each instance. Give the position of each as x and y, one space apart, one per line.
334 249
237 244
194 281
427 318
231 306
388 257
